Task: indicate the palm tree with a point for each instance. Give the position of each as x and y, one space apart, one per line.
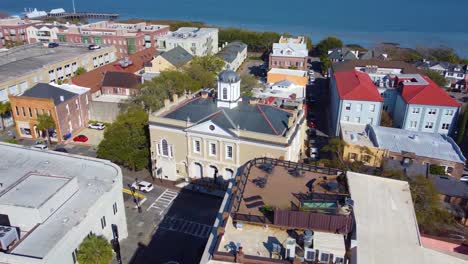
95 250
4 109
45 122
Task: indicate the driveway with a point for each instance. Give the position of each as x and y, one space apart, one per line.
94 137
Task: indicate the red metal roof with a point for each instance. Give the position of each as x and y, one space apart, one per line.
427 94
355 85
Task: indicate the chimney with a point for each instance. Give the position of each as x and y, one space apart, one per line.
175 98
291 121
167 102
239 258
62 98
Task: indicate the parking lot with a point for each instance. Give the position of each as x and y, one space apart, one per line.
174 225
94 137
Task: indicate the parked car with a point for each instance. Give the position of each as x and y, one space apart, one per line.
80 138
311 124
53 45
94 47
464 178
313 153
312 132
40 147
143 186
98 126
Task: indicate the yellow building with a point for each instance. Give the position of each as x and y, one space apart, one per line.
207 136
359 146
296 76
169 60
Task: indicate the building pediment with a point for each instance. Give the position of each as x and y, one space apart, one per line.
209 127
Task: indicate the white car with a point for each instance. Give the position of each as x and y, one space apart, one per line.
98 126
464 178
40 147
143 186
94 47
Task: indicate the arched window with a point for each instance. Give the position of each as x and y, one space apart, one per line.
165 148
225 97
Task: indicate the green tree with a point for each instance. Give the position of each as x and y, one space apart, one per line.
325 63
248 82
385 119
95 250
463 123
80 70
45 123
394 174
126 140
5 108
327 44
203 77
431 217
436 169
210 63
436 77
335 147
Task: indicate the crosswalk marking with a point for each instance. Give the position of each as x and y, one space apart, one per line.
185 226
163 201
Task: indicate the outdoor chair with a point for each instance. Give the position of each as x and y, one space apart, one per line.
255 204
252 198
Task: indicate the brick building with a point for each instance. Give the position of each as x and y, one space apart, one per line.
67 104
127 38
289 53
13 30
120 83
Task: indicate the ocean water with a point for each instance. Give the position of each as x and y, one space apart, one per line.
366 22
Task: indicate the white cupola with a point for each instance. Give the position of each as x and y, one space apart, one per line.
228 89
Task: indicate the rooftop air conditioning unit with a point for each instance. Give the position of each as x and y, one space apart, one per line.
308 238
290 252
8 235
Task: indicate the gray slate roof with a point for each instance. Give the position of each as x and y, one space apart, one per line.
230 51
251 117
177 56
46 91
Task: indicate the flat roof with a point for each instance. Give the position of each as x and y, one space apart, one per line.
111 98
386 226
288 72
424 144
282 188
355 134
22 60
36 186
256 240
23 161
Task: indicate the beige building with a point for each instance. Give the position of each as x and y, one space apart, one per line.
213 134
23 67
170 60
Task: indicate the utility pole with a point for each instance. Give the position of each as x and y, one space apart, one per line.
73 2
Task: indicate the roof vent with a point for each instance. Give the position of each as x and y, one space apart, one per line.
414 137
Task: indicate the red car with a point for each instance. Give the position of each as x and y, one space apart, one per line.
311 124
80 138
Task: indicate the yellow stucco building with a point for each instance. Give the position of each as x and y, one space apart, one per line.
169 60
210 135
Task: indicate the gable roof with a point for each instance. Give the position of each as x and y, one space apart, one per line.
47 91
258 118
230 51
177 56
426 94
121 79
93 79
355 85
